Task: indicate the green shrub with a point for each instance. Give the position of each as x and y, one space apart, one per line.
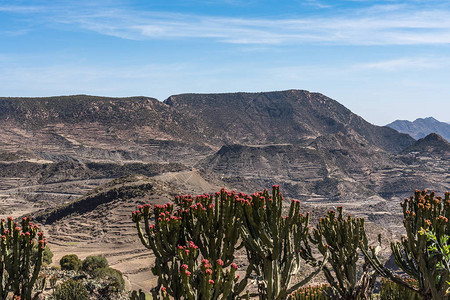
70 262
71 290
113 276
94 262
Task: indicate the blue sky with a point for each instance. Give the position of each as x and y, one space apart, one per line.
384 60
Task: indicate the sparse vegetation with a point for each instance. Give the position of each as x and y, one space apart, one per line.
93 262
114 277
71 290
70 262
313 292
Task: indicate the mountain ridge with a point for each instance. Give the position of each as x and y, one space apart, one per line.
299 113
421 127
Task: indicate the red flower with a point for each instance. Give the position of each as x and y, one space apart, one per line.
208 271
233 265
184 267
220 262
211 281
163 289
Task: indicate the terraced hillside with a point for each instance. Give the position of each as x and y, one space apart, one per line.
60 156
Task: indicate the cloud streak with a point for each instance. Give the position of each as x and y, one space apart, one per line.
389 24
393 25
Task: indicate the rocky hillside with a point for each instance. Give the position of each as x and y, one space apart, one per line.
54 149
422 127
333 167
97 128
60 158
431 144
281 117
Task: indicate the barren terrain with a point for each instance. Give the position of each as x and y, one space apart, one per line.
81 164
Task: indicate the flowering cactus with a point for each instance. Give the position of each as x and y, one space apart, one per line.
209 221
19 266
162 238
420 212
315 292
192 279
342 238
205 279
274 243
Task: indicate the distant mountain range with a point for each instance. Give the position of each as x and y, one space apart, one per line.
60 159
422 127
311 145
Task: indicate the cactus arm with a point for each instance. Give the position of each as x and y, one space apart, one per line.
318 269
383 271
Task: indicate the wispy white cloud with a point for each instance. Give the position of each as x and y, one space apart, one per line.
406 63
316 3
375 26
394 23
20 8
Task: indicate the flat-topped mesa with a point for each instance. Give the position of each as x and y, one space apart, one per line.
247 118
281 117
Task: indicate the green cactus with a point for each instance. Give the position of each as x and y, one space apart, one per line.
19 264
342 237
314 292
274 244
162 238
205 279
209 221
421 211
393 291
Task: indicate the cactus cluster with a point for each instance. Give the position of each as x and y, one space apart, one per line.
205 279
194 242
207 221
422 211
215 223
342 237
274 243
20 263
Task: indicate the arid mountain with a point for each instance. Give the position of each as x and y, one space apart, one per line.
431 144
307 142
422 127
101 129
60 158
333 167
281 117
